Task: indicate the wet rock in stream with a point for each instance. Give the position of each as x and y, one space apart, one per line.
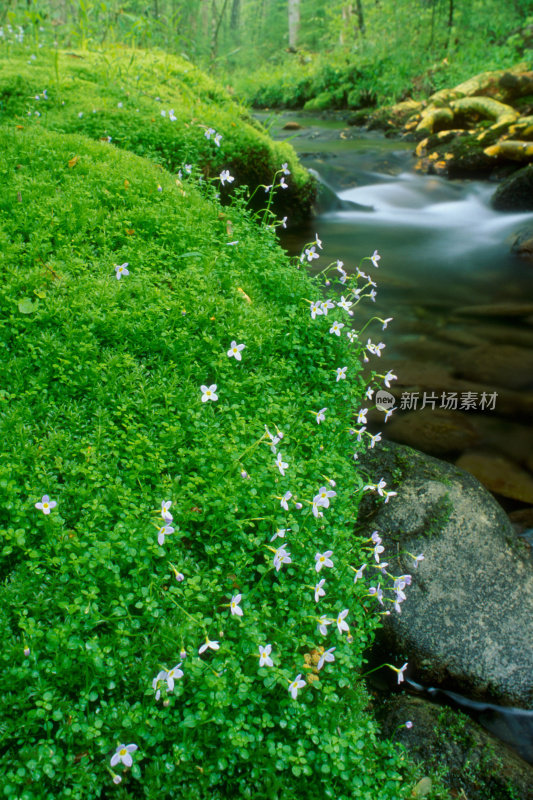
467 623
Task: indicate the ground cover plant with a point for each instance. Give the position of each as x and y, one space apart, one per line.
184 607
154 104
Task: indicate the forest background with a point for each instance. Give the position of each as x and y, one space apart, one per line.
303 52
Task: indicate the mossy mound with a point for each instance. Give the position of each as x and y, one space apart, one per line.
156 105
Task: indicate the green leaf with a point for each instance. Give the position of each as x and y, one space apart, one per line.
27 306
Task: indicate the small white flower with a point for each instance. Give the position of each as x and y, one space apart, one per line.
361 417
342 625
316 309
217 137
284 503
285 169
284 222
46 505
377 591
318 241
234 605
359 573
296 685
280 464
390 376
323 496
375 257
352 336
123 755
380 487
374 439
373 295
320 416
417 560
164 530
388 496
310 252
122 270
319 591
345 304
209 393
264 656
336 328
378 549
316 510
376 538
400 672
326 656
340 373
281 556
208 643
280 532
174 674
323 560
284 185
119 105
80 114
325 305
225 176
235 350
165 513
209 132
323 622
187 168
386 322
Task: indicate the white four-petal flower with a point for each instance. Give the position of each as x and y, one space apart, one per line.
323 560
123 754
235 350
234 605
264 656
209 393
46 505
296 685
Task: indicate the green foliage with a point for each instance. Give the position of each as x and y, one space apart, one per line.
101 409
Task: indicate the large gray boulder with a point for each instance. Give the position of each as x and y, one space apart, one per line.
467 623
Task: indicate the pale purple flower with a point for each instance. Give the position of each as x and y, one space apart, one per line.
164 530
165 513
284 503
319 591
323 496
208 643
418 559
326 656
46 505
390 376
336 328
226 177
280 464
386 322
377 591
234 605
283 183
173 674
235 350
209 393
340 373
375 257
320 416
310 252
325 305
316 309
323 622
121 270
123 755
296 685
281 556
323 560
264 656
342 625
359 573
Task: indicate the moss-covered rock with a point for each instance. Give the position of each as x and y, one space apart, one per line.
157 106
515 193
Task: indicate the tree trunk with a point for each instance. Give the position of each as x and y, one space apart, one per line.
235 14
360 17
294 23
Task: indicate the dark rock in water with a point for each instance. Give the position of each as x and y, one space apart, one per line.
500 365
473 763
328 200
522 244
437 432
499 475
515 193
467 623
292 126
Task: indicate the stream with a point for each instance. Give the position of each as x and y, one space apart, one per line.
462 305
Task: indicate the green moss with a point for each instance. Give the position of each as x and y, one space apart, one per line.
122 94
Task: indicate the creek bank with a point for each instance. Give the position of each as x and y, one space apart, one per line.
467 623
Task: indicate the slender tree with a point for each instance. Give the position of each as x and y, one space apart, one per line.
294 23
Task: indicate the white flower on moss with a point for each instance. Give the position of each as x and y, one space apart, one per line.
390 376
280 464
161 676
217 137
209 132
359 573
209 393
310 252
296 685
283 183
164 530
234 605
323 622
316 309
235 350
374 439
285 169
123 755
173 674
208 644
280 532
319 591
281 556
264 655
320 416
340 373
45 504
284 502
342 625
345 304
121 270
352 336
336 328
165 513
325 305
323 496
326 656
226 177
323 560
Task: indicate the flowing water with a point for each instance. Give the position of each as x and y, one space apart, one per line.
443 251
